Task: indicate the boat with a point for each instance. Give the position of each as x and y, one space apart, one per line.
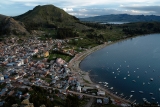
128 66
122 94
117 69
132 91
113 72
151 93
131 96
100 82
143 83
144 99
115 77
124 77
106 83
141 92
111 88
134 80
134 71
128 72
116 92
128 75
159 89
137 68
148 83
151 79
153 98
137 76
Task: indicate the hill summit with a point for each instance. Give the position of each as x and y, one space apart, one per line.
46 16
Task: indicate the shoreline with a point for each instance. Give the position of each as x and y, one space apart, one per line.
84 77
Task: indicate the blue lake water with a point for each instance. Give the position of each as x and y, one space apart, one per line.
136 59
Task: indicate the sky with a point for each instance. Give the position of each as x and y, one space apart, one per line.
84 8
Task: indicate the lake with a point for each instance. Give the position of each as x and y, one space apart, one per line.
131 67
115 23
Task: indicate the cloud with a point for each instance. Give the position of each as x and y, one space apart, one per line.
81 8
146 9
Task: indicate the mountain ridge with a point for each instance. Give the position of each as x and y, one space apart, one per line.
122 18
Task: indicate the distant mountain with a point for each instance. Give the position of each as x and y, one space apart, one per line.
46 16
122 18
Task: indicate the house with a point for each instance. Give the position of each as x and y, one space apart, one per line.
1 77
79 89
46 54
99 101
102 93
105 100
11 93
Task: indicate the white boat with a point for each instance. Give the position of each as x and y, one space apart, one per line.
116 92
128 66
132 91
122 94
106 83
115 77
159 89
128 75
143 83
111 88
151 93
131 96
151 79
128 72
141 92
117 69
153 98
137 76
144 99
113 72
134 80
124 77
148 83
137 68
134 71
100 82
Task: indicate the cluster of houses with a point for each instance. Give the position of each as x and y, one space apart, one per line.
18 67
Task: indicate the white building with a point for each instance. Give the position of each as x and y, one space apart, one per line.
1 77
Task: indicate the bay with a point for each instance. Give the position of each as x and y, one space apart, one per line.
136 59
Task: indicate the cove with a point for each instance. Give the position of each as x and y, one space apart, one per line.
131 67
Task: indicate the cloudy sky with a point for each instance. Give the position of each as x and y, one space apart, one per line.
86 8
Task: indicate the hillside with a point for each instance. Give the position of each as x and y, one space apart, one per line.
46 16
122 18
2 17
9 26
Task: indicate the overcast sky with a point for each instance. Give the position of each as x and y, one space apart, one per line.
86 8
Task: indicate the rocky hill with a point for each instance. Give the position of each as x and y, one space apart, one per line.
9 26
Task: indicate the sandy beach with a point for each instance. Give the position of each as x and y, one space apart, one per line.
83 77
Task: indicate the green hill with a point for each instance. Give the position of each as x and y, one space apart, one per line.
46 16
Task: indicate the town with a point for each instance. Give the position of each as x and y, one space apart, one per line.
26 63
